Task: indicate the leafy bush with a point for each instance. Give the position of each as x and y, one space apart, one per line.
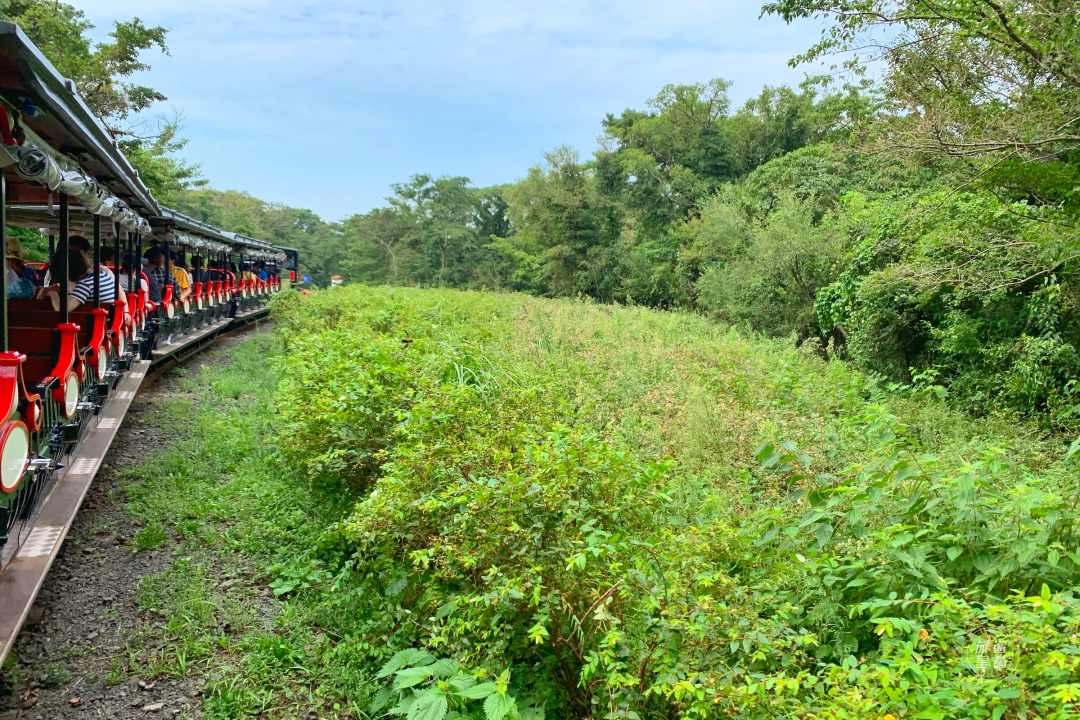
963 285
510 527
771 281
426 689
338 404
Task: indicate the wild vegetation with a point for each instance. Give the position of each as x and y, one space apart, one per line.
790 435
647 514
924 224
567 509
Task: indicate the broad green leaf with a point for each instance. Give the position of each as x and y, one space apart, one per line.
1073 448
409 656
462 682
409 677
395 587
381 699
431 705
498 706
443 668
406 702
984 561
445 610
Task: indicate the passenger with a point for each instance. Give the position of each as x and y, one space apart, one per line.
83 291
160 278
183 280
263 275
125 276
83 246
18 286
50 286
77 268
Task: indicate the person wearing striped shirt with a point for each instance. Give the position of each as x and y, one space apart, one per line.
82 291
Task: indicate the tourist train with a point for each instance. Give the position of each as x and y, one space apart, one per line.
130 289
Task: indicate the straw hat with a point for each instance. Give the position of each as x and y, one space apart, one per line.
14 248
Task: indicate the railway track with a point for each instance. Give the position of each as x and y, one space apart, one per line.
34 542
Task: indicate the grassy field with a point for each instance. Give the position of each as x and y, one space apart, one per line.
503 506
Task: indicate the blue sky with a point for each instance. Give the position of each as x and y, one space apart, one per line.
324 105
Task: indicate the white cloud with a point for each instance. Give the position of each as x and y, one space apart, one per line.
386 89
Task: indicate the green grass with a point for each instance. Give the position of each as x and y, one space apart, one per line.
221 502
150 537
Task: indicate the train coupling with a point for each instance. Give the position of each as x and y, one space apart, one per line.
40 465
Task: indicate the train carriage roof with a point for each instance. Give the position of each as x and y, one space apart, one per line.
45 111
256 248
185 231
180 223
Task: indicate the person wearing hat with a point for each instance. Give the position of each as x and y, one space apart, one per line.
18 286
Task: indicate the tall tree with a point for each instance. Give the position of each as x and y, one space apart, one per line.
103 73
556 213
441 223
669 157
376 246
993 85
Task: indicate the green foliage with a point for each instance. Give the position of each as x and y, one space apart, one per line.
338 434
771 277
962 284
319 242
167 176
988 89
100 70
614 228
424 688
525 513
150 537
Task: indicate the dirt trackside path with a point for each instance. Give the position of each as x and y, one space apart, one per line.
70 658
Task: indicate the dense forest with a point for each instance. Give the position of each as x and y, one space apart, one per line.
924 225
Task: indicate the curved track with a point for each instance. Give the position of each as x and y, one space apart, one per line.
86 613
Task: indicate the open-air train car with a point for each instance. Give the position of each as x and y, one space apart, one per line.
69 369
55 364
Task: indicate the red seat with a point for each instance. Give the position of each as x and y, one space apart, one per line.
33 331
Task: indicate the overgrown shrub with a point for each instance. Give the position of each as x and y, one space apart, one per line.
339 400
508 530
